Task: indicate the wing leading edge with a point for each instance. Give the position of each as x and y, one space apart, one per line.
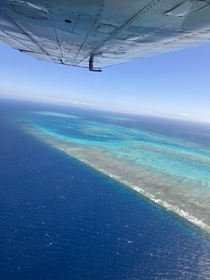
100 33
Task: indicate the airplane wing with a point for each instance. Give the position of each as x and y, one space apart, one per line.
100 33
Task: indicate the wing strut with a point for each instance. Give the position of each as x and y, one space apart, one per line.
91 68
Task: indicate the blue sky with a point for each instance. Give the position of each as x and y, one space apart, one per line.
173 85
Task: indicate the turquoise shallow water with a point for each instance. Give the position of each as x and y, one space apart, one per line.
164 155
172 170
170 155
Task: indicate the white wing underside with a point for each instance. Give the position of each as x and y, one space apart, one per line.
103 32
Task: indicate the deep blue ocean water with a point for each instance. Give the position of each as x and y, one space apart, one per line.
62 220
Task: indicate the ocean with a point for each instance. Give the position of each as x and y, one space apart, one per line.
67 214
